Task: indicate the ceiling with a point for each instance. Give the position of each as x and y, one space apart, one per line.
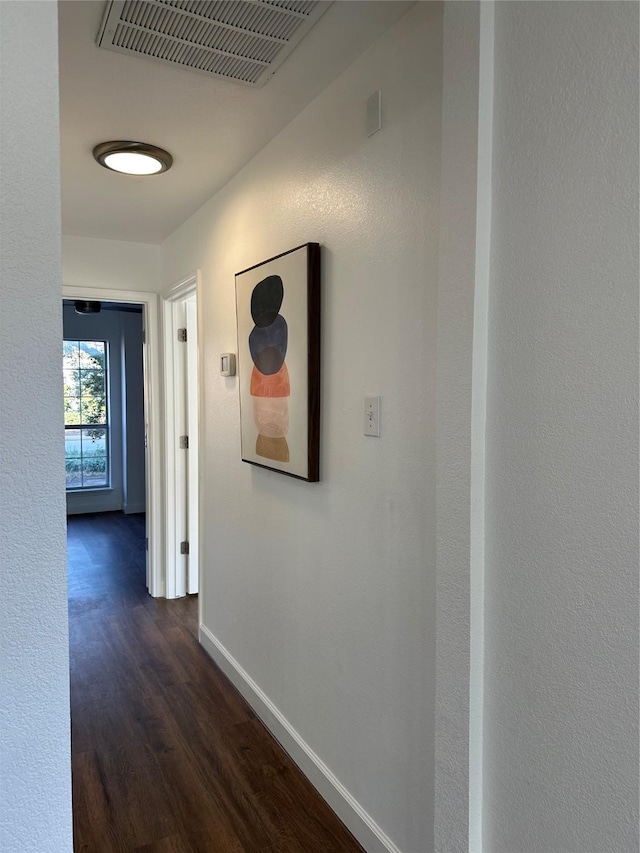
212 127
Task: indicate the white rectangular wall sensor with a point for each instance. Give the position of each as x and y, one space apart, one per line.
374 113
372 416
228 364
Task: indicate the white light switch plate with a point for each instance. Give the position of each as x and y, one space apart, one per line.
372 416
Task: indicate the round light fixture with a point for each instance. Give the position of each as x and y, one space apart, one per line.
132 158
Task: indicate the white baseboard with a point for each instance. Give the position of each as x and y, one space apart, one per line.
350 812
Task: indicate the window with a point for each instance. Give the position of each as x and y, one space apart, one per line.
86 423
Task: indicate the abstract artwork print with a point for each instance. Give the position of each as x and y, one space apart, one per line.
270 385
278 314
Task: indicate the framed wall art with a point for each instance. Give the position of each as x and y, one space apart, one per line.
278 315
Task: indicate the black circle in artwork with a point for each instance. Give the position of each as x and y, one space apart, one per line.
268 346
266 300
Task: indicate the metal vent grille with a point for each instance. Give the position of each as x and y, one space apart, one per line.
242 40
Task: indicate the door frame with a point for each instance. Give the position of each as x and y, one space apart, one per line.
152 395
175 387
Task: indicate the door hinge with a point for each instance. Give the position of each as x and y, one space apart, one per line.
182 336
144 336
146 544
184 547
184 442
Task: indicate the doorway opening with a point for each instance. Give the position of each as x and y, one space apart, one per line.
112 412
104 407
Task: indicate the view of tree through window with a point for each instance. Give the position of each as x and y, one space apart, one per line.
84 366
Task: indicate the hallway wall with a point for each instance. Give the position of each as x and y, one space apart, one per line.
325 593
561 690
35 765
92 262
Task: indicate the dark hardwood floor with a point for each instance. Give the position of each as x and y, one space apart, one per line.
167 757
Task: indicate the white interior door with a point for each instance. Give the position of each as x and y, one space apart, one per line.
193 559
182 440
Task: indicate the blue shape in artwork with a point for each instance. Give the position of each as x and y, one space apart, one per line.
268 346
266 300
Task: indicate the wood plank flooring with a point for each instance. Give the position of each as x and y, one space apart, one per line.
166 755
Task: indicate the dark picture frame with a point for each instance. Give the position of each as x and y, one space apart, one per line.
278 326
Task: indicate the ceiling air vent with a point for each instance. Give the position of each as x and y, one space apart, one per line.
240 40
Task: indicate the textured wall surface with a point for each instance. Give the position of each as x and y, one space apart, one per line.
325 593
35 777
91 262
561 701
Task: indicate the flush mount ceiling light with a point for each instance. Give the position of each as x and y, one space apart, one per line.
132 158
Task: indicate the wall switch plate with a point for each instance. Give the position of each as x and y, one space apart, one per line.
372 416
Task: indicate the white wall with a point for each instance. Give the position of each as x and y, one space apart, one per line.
35 773
325 594
561 698
123 332
113 264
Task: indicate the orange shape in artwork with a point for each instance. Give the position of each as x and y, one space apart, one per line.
275 385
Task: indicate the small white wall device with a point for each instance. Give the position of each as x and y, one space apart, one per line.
228 364
372 416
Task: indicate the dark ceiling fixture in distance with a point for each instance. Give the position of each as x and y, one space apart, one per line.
132 158
84 307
